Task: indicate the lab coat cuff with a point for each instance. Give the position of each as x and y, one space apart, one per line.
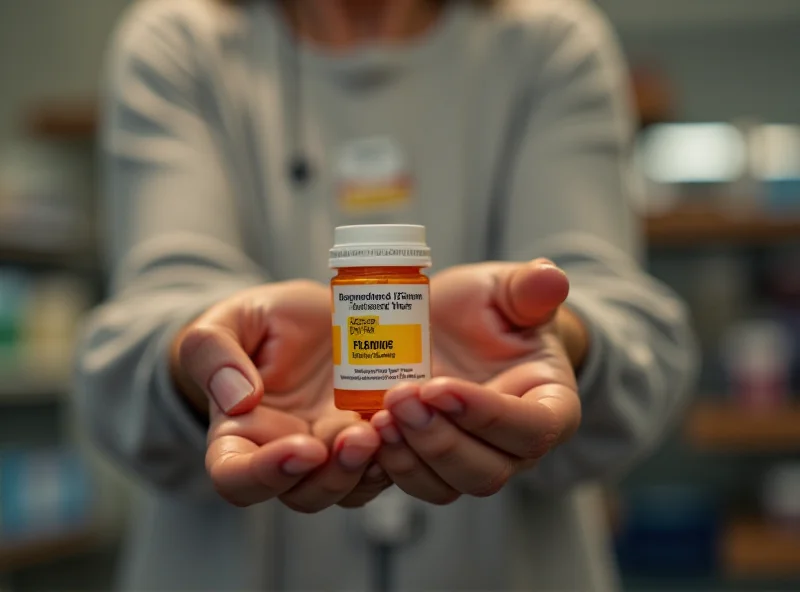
587 311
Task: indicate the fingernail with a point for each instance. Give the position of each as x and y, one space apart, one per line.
449 404
412 413
390 435
229 388
354 457
298 466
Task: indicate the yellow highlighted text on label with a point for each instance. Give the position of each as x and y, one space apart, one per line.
337 345
373 344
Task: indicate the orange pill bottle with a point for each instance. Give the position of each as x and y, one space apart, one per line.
381 312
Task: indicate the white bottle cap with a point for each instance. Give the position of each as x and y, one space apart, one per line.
367 245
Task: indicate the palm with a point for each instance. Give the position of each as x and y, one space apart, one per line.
293 352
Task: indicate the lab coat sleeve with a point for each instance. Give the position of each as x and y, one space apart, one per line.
569 199
175 250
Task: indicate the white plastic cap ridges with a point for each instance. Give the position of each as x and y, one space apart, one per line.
368 245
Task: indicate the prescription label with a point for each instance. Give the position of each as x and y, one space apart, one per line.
381 335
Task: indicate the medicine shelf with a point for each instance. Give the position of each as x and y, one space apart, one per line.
18 555
752 548
40 377
728 427
693 225
32 392
68 258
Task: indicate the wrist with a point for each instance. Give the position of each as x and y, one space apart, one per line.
574 336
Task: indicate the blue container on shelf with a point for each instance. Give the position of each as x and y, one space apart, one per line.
43 493
782 196
667 531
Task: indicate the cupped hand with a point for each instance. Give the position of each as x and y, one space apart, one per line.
260 362
505 392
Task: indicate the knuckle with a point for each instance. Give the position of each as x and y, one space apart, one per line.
301 507
237 496
352 503
445 499
215 466
232 499
442 450
221 429
404 469
551 422
361 497
535 447
489 423
494 484
334 489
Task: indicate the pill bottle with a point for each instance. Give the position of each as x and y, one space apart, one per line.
381 312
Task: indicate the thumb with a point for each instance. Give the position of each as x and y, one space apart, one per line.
213 359
529 294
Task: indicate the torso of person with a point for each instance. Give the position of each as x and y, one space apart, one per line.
420 134
405 135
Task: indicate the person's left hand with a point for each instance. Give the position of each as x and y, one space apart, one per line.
505 390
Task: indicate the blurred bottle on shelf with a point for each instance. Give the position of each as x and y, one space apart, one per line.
739 167
775 163
783 288
39 316
43 494
687 162
719 292
780 496
44 192
757 356
57 304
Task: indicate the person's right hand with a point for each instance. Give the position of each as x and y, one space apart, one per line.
260 362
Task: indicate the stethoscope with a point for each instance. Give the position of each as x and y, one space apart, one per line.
299 169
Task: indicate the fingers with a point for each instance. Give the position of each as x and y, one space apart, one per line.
525 427
460 460
262 426
259 455
214 360
373 482
529 294
353 450
244 473
405 468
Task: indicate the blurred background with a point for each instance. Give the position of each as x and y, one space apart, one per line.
717 86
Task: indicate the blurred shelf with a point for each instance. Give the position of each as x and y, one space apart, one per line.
650 16
32 391
727 427
68 258
697 224
15 556
752 548
62 120
41 376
